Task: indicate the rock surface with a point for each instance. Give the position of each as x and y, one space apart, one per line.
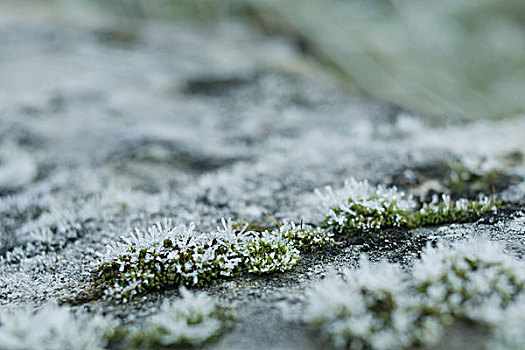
108 126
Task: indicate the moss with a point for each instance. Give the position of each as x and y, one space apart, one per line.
251 226
380 306
468 181
176 256
170 265
270 253
190 322
372 210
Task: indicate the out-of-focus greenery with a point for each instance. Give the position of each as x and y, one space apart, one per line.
457 58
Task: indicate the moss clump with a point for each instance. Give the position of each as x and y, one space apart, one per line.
470 181
361 208
380 306
270 253
185 323
190 321
169 256
306 238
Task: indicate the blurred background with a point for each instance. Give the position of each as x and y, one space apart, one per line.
450 58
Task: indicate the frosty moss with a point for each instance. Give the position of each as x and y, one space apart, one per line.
54 327
378 306
192 320
168 256
187 322
362 208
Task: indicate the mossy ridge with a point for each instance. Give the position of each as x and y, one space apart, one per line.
373 212
176 256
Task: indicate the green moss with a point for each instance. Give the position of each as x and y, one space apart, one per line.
166 266
270 253
374 214
251 226
190 322
177 256
466 180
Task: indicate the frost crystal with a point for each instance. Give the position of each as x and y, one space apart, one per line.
53 327
168 256
362 208
189 321
380 307
270 252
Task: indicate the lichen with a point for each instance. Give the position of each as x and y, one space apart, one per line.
359 208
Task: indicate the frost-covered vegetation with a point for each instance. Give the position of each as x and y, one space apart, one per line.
192 320
360 207
169 255
379 306
53 327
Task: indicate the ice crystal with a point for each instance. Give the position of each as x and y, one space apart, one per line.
306 237
362 208
270 252
381 307
53 327
168 256
192 320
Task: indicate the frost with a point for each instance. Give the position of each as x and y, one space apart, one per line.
269 253
192 320
510 335
52 327
17 168
380 307
168 255
362 208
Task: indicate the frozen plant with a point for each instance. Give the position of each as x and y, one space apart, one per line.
192 320
510 333
53 327
366 308
306 237
362 208
474 281
270 252
168 256
380 307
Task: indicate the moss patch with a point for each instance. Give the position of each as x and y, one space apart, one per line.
360 209
169 256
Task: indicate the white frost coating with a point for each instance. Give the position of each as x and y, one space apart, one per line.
381 307
342 306
270 252
177 255
52 327
510 335
192 319
17 168
364 193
